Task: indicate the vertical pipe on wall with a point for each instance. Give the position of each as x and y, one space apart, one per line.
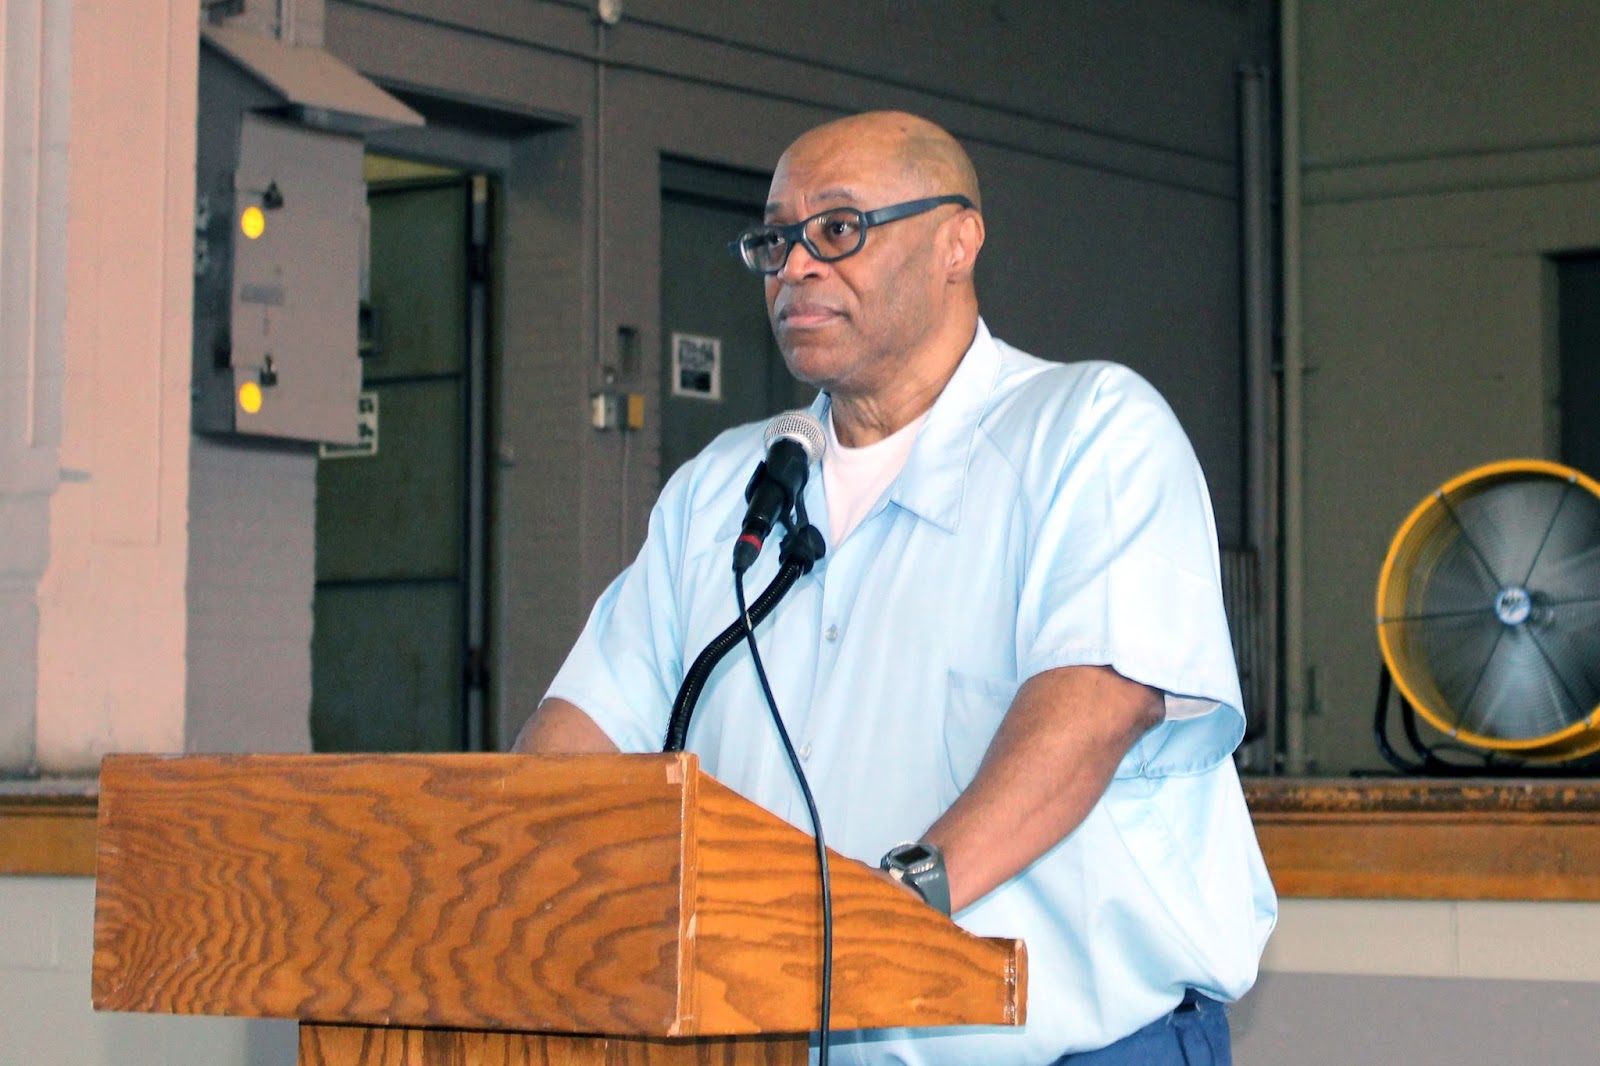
607 370
599 126
1260 408
1293 444
477 504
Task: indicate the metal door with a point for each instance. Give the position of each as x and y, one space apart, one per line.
398 532
1579 296
729 370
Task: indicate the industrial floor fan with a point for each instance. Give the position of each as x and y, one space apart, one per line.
1489 621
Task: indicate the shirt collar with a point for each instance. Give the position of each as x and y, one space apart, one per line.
933 482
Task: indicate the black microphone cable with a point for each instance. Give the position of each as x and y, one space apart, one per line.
816 825
695 678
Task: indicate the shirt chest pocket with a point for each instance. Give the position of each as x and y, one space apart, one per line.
974 708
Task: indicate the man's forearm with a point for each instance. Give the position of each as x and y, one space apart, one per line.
561 728
1048 765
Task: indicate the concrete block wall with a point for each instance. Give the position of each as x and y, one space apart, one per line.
111 606
35 50
251 579
1450 150
45 1010
1315 1020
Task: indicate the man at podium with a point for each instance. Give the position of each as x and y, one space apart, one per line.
1009 680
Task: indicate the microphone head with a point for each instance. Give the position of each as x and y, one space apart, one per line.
803 428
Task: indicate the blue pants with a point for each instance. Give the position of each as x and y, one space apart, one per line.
1195 1034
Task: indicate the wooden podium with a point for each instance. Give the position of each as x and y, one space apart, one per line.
621 910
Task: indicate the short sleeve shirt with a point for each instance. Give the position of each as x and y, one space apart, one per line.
1049 515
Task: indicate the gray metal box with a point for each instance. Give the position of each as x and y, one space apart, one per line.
286 365
296 287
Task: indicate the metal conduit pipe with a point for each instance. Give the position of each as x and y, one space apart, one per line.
1260 507
1293 434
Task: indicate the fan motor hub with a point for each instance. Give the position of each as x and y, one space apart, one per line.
1514 605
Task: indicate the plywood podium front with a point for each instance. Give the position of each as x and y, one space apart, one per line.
621 910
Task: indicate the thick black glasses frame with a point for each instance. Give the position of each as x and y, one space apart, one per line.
795 232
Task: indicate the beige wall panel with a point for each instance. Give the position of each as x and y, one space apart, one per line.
1428 333
486 64
1423 365
1156 73
1449 151
1426 78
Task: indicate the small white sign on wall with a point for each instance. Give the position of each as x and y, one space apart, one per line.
696 366
366 428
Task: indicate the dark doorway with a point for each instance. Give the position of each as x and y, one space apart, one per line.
1579 340
397 614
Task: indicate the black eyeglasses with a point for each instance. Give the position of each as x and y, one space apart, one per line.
829 235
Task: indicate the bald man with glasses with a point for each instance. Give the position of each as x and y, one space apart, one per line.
1010 677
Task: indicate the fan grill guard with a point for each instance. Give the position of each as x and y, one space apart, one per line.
1488 611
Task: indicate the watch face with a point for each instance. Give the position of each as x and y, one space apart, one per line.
912 855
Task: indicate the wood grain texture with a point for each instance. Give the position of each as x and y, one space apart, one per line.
481 892
47 835
1421 795
758 944
357 1046
1413 839
617 895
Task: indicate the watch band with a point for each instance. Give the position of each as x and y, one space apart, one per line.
920 865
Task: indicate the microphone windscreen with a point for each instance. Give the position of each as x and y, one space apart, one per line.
803 428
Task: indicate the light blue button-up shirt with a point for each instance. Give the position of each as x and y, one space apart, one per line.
1049 515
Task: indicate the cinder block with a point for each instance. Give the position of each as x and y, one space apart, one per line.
48 924
1529 940
1415 938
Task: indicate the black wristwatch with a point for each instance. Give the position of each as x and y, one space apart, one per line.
920 865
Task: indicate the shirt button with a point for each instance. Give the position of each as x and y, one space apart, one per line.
831 634
805 752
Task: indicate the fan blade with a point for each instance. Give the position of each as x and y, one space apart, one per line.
1453 651
1569 633
1520 695
1568 568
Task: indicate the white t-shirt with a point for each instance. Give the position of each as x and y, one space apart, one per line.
854 478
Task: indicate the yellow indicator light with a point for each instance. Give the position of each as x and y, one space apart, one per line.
250 397
253 222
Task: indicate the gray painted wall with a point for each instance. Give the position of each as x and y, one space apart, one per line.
1320 1020
1436 190
1104 138
252 559
1449 148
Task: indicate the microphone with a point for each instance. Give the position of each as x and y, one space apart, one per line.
794 440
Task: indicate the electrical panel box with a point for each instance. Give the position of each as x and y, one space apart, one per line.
287 365
280 231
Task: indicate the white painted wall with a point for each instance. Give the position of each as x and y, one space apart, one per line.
1449 150
45 1013
111 604
35 47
